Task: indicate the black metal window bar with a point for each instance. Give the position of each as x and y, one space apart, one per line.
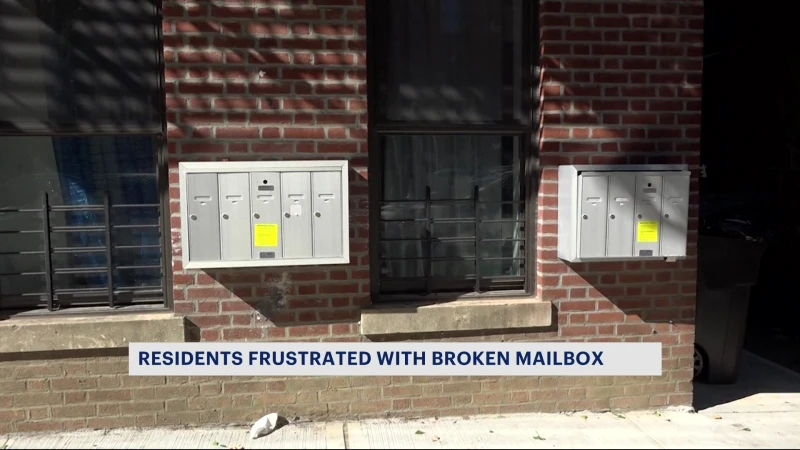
478 282
108 295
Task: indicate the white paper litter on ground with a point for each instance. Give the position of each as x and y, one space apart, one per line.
264 426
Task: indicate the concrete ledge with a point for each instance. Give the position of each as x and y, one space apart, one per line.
41 334
458 315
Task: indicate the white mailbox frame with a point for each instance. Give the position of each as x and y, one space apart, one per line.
569 206
220 167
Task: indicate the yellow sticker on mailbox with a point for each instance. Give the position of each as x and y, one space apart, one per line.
266 235
647 231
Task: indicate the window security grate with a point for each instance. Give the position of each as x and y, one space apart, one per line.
478 280
101 273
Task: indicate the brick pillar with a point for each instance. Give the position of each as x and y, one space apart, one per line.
264 80
621 85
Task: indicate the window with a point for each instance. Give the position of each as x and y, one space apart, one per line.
81 131
451 111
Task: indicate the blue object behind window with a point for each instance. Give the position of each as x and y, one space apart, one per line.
123 166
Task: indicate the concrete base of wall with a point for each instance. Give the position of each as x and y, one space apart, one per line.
459 315
43 334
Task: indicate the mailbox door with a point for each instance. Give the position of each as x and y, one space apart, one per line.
234 209
296 220
326 188
675 215
592 221
265 196
648 215
202 193
621 192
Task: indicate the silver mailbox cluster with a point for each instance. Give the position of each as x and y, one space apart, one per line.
622 212
257 214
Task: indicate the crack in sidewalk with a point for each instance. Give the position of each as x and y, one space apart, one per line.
345 435
651 438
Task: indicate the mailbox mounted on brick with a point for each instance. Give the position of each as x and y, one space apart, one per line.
264 214
625 212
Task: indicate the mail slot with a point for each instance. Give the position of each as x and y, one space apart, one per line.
202 201
234 194
619 240
648 215
622 212
261 214
675 214
296 188
265 191
327 218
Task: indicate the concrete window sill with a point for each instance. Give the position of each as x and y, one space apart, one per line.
42 334
456 316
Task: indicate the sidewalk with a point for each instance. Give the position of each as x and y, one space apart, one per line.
763 410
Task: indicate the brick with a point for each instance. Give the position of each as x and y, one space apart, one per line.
370 407
337 395
304 133
108 409
115 395
61 412
38 371
181 418
309 330
204 403
37 385
74 397
142 407
110 422
34 427
631 402
242 333
210 389
230 388
37 399
12 415
180 404
10 387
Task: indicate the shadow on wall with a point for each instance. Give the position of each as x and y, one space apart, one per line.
265 89
242 74
634 299
272 82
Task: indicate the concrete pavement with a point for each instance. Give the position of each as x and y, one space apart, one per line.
762 410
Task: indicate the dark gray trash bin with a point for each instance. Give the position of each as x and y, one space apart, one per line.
727 270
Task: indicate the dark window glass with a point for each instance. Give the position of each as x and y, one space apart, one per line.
79 65
454 202
452 122
77 174
451 61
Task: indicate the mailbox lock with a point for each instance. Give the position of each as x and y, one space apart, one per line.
585 217
225 216
666 216
639 216
613 217
256 216
287 215
317 214
193 217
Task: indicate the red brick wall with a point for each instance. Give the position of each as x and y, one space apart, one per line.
621 84
265 80
270 80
